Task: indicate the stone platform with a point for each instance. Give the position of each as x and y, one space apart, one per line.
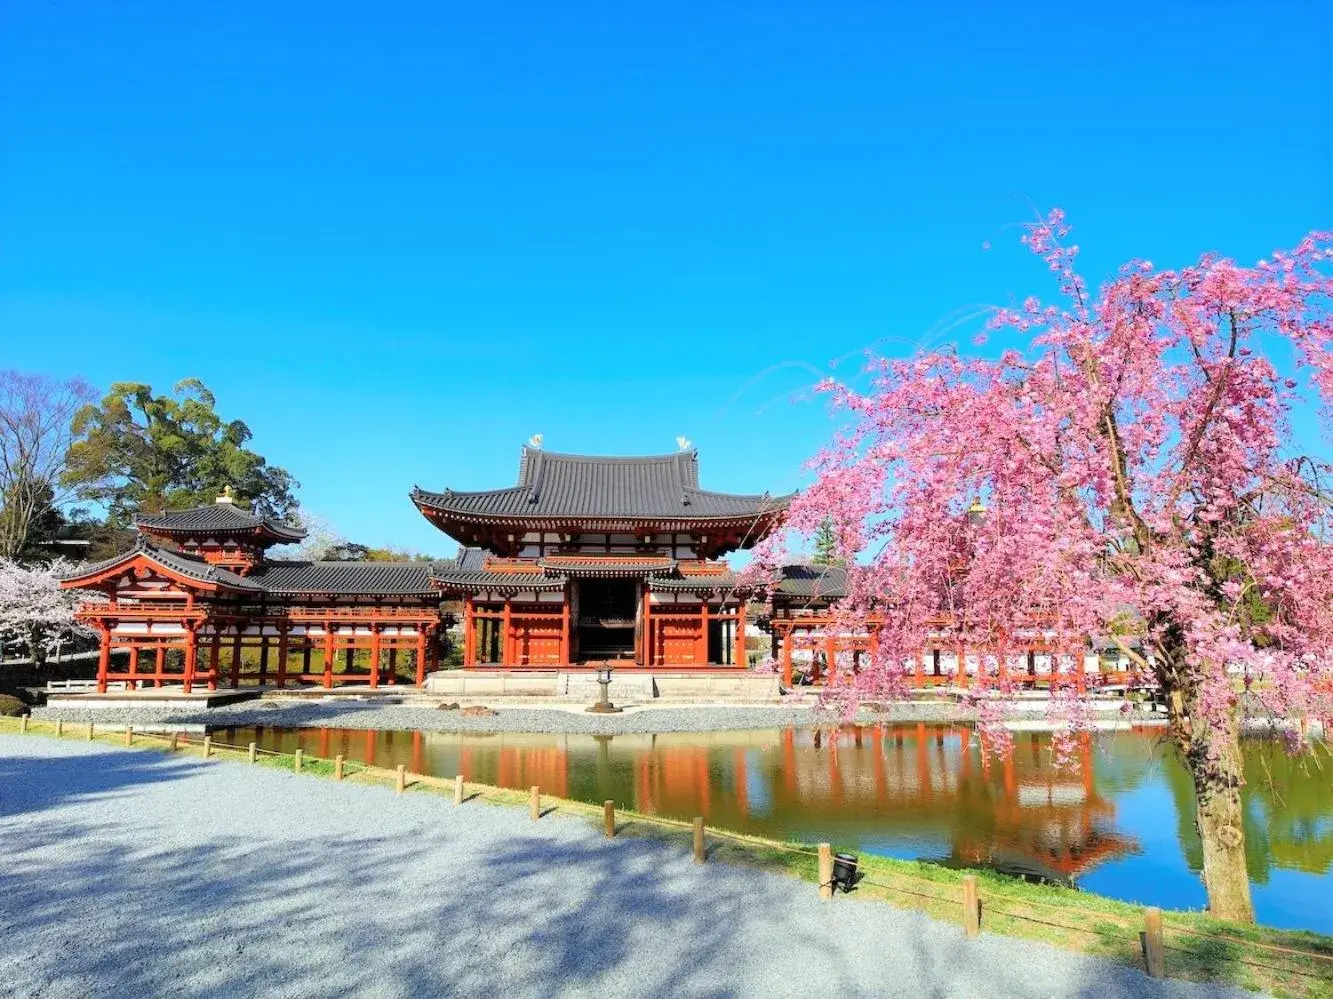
154 697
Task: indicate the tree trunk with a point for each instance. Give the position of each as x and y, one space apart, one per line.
37 646
1211 753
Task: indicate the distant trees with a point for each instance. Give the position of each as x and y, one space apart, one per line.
135 451
324 543
826 545
36 414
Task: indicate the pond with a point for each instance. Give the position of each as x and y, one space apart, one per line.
1121 825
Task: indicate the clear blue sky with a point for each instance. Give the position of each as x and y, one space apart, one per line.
398 239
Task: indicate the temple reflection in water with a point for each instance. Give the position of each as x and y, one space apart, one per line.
928 790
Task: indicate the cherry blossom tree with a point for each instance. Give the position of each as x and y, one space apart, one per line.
1140 479
35 610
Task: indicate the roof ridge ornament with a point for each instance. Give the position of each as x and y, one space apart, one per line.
225 496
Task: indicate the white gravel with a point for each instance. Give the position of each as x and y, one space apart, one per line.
342 713
130 873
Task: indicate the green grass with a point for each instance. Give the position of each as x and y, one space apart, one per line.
1198 948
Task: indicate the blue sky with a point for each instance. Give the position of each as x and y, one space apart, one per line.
399 239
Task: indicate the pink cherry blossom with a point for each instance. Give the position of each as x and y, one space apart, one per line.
1140 478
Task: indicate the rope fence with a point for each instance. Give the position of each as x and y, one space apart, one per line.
1151 931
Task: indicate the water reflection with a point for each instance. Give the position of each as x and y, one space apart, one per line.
914 791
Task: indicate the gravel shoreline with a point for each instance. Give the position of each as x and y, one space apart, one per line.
131 873
342 713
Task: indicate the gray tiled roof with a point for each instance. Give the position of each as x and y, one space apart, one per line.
594 566
216 517
465 572
694 584
390 579
190 566
812 582
554 486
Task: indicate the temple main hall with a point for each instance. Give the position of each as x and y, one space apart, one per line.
596 559
583 561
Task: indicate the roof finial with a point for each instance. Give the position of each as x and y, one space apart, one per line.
683 442
535 442
226 496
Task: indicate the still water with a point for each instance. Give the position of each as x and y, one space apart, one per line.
1120 825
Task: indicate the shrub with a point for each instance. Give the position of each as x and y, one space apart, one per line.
11 706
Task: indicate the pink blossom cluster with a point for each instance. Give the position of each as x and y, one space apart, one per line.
1139 476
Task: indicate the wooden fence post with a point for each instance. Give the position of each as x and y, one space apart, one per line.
699 855
23 724
402 778
338 767
971 906
60 727
90 731
458 790
296 761
175 741
208 746
825 871
534 802
1154 950
609 819
129 735
252 752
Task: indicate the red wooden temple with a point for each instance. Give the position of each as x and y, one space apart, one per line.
196 593
593 559
584 560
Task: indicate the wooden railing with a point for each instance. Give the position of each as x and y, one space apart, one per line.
173 611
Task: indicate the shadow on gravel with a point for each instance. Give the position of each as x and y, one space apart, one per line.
226 886
34 783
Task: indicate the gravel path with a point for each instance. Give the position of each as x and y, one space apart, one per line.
369 714
131 873
341 712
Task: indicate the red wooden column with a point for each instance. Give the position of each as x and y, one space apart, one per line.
740 659
282 656
214 649
329 654
506 633
701 650
161 665
786 656
263 656
374 655
469 628
647 617
132 683
1080 667
104 659
566 649
423 636
236 658
191 654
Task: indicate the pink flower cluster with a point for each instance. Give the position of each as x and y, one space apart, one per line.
1134 455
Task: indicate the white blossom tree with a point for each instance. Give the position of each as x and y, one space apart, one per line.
34 610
